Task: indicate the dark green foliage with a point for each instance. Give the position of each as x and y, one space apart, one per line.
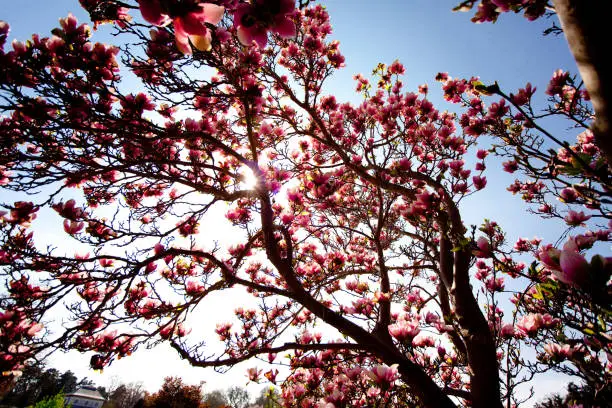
579 394
37 384
56 401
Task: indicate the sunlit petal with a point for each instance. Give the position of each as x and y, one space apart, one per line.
202 42
211 13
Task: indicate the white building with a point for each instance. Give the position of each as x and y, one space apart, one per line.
85 397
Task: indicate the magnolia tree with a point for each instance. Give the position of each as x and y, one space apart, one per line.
361 275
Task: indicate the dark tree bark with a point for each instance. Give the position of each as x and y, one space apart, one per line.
585 24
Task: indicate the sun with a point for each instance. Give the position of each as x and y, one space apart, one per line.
248 179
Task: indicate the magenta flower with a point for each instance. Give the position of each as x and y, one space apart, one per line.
575 219
382 374
189 24
530 323
568 195
253 21
152 11
484 248
73 227
574 268
549 256
510 166
507 330
567 265
479 182
557 351
403 330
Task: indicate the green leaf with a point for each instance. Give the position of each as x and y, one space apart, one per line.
484 89
533 269
588 331
602 323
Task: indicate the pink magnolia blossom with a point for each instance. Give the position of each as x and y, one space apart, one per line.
549 322
106 263
575 219
530 323
495 284
189 26
557 351
404 330
510 166
574 268
253 20
73 227
568 195
431 318
152 11
507 330
484 248
479 182
382 374
549 256
423 341
567 265
194 288
373 392
68 210
158 248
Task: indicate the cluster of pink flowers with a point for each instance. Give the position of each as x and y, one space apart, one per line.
489 10
383 374
22 213
253 20
531 323
188 227
569 265
16 330
189 20
557 351
172 329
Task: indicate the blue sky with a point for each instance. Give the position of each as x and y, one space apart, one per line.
423 34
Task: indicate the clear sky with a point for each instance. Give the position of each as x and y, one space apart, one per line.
428 38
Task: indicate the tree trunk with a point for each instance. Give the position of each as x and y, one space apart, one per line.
479 342
584 23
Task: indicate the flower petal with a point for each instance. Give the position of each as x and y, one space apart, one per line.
191 24
241 10
261 37
574 268
202 42
248 35
182 40
286 6
244 35
284 27
152 12
211 13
